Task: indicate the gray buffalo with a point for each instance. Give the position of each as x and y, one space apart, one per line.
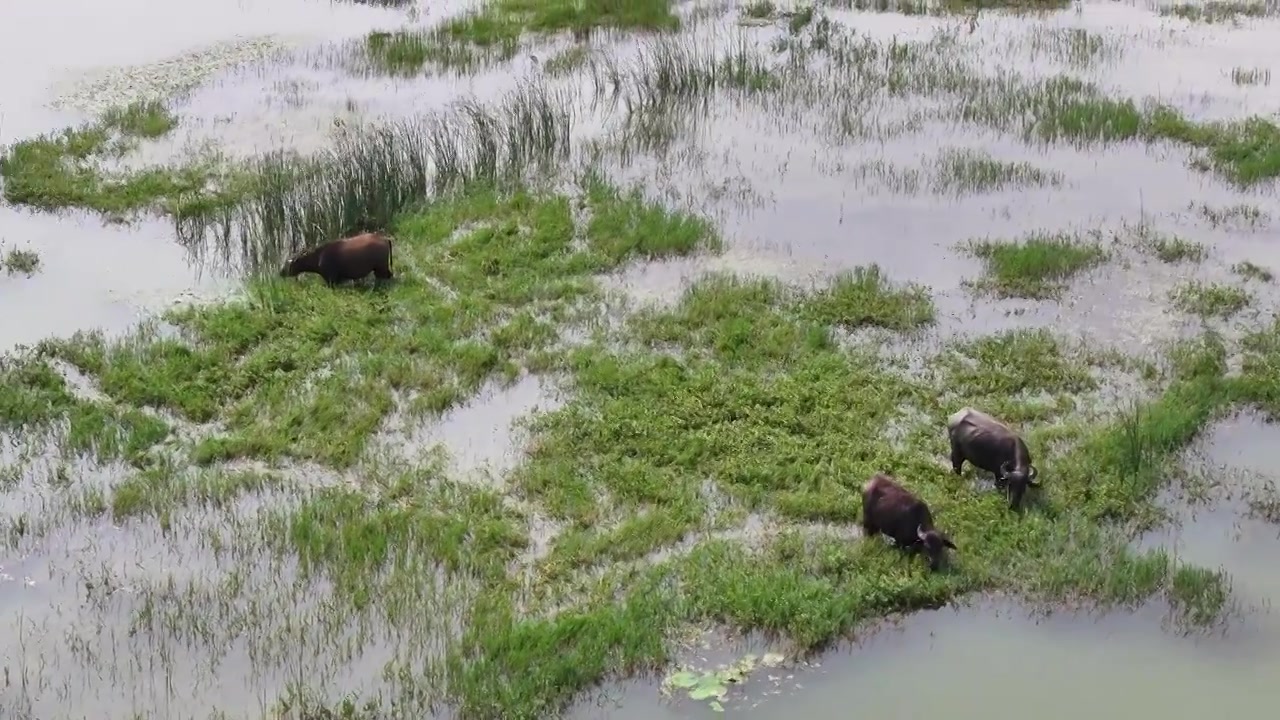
990 445
889 508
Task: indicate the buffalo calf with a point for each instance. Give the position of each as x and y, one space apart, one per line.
889 508
347 259
990 445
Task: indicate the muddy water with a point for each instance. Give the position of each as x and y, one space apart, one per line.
793 204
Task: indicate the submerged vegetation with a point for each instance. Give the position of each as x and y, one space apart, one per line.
292 414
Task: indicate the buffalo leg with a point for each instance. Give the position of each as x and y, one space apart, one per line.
382 272
869 529
957 458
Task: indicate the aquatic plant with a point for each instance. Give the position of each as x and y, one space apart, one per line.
1036 266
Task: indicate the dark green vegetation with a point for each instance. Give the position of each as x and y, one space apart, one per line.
1038 266
15 261
63 170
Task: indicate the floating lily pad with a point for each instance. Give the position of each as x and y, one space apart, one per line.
715 705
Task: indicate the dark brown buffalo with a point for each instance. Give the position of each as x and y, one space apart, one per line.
889 508
990 445
346 259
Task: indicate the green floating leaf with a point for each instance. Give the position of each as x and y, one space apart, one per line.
715 705
708 690
683 679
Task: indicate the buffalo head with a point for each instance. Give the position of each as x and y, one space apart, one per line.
1018 480
933 542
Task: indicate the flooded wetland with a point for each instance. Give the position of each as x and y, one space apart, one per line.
672 281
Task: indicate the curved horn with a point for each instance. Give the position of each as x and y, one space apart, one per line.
1031 478
920 531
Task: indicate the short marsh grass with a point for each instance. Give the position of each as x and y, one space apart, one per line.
18 261
1038 266
1210 300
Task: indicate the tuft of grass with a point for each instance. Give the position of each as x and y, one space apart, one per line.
1215 11
17 261
500 22
1037 266
408 52
1200 595
961 170
1171 248
567 61
1240 215
1251 271
1210 300
866 297
759 9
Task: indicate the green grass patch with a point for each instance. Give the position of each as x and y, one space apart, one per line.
36 401
303 371
1171 248
408 52
502 21
1038 266
63 170
1210 300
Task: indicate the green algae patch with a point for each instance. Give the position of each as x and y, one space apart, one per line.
301 370
63 170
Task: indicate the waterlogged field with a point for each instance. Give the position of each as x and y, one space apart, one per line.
673 280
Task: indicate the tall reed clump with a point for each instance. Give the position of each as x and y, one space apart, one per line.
374 172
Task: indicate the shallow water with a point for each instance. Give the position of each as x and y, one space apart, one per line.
792 204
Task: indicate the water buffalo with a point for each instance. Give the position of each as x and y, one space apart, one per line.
889 508
990 445
347 259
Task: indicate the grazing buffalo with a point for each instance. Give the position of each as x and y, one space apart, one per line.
346 259
889 508
989 444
